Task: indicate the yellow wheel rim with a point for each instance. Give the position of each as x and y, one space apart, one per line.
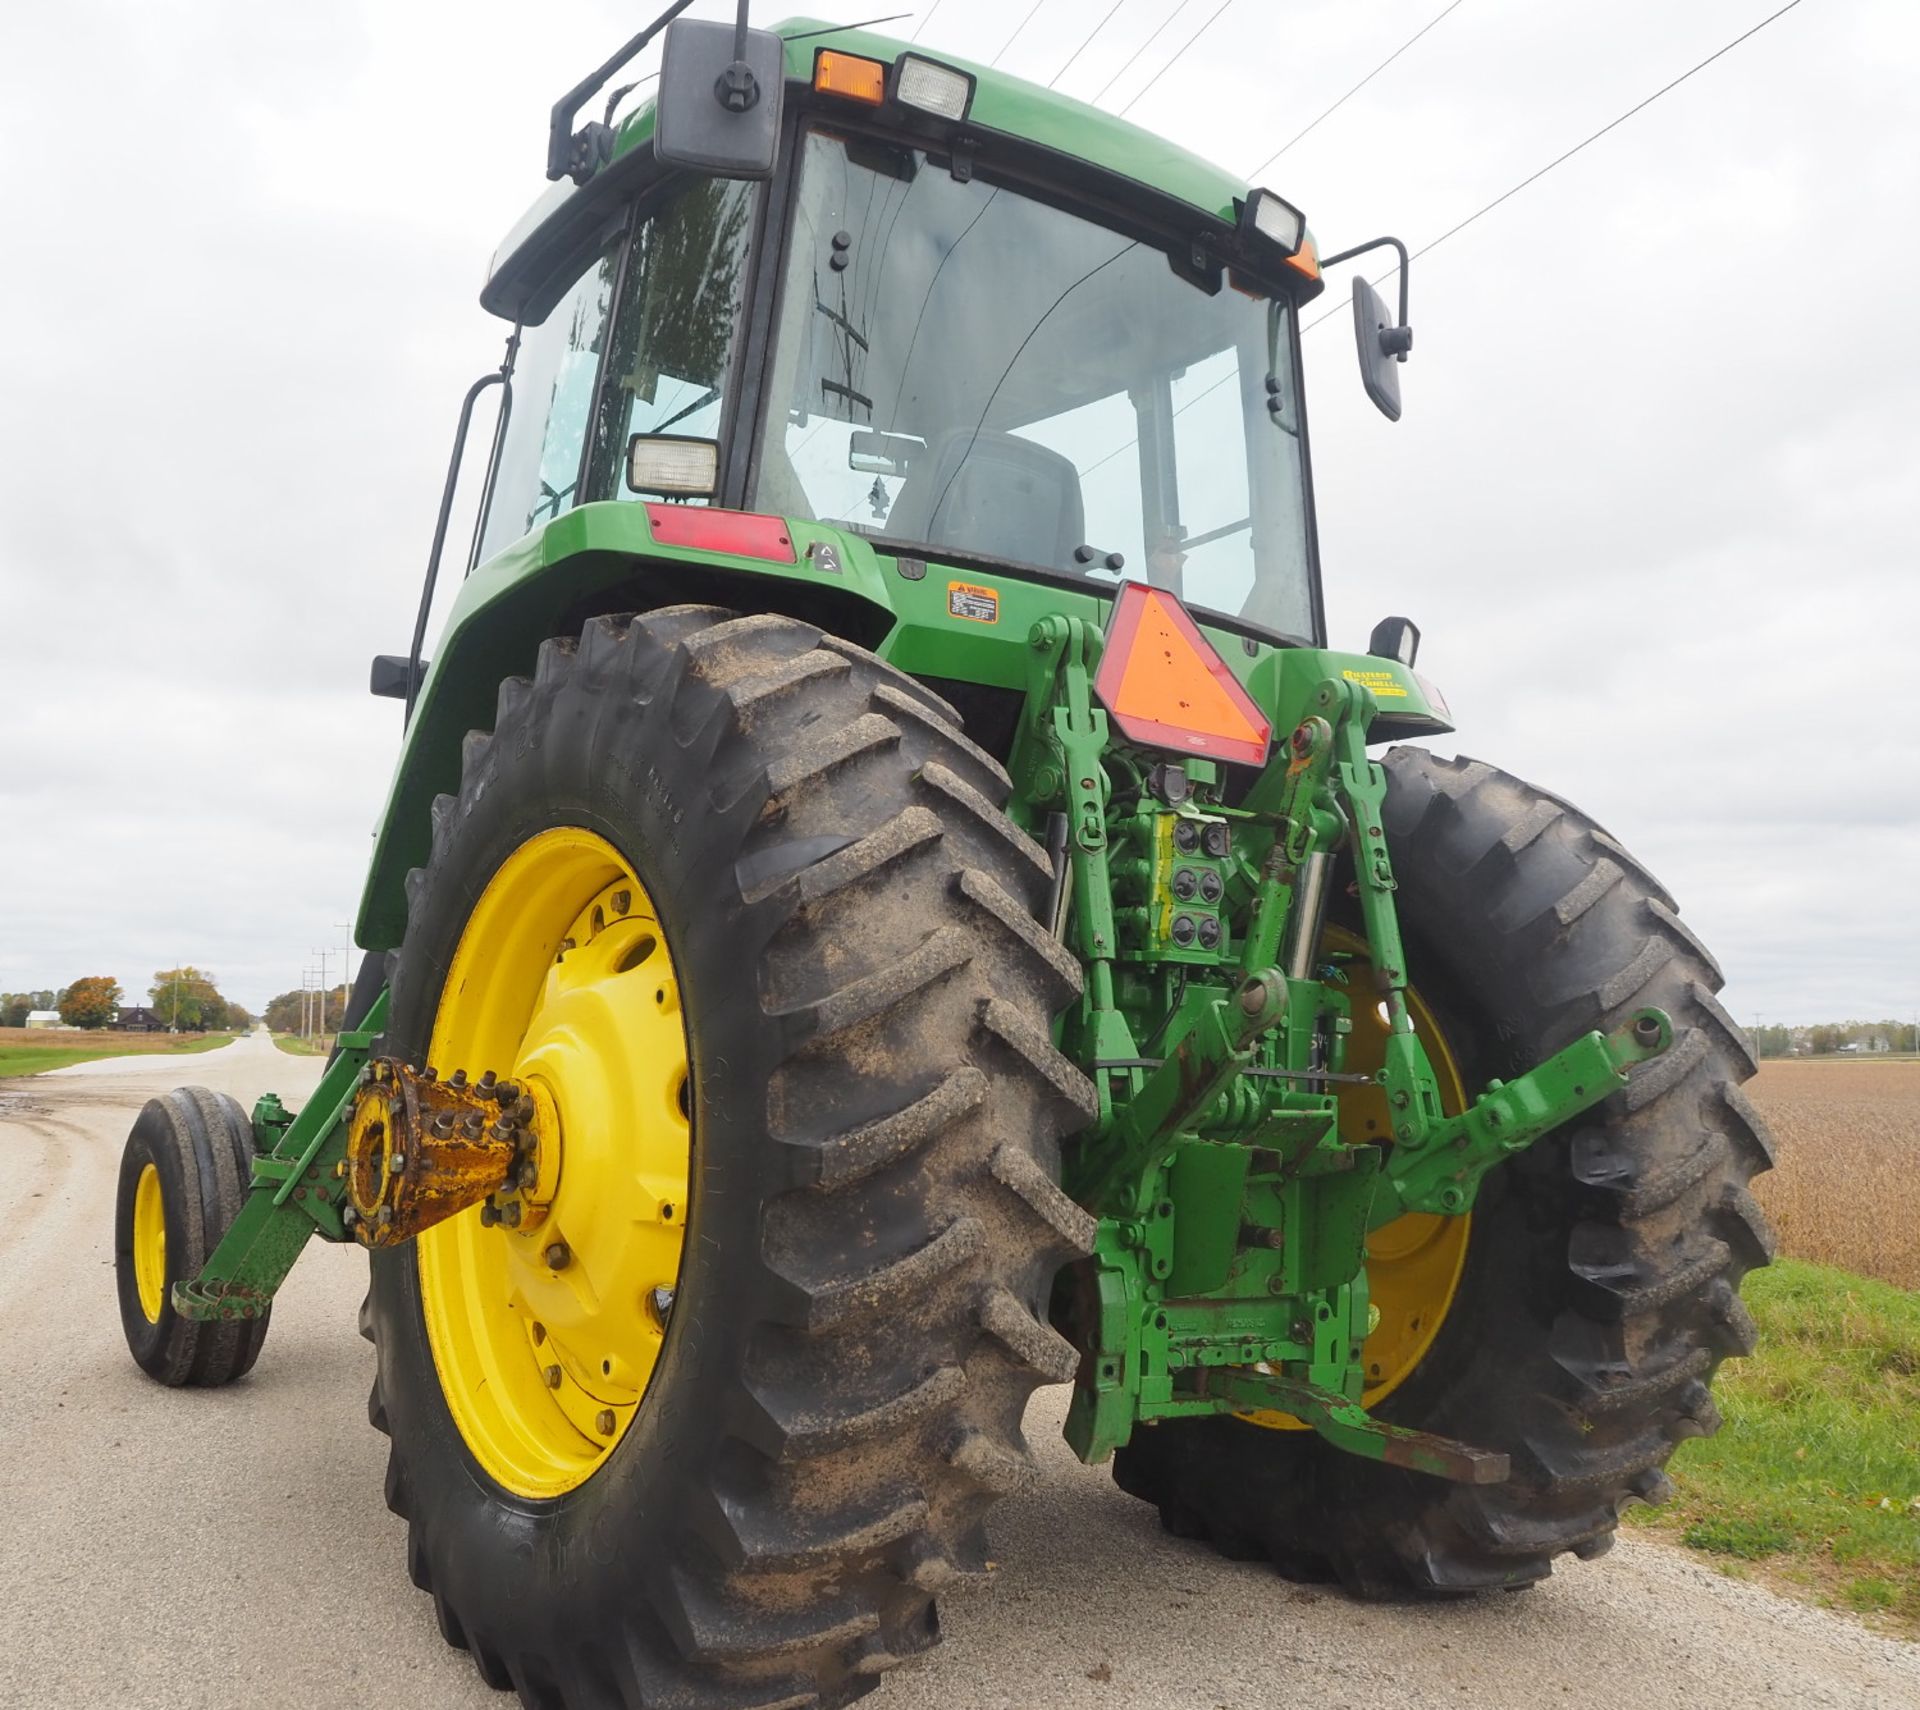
1413 1263
149 1243
563 982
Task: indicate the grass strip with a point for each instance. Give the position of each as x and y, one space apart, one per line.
1813 1483
295 1046
16 1060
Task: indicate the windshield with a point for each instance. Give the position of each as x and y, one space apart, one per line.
961 366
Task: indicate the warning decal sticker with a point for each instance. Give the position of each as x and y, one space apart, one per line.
979 605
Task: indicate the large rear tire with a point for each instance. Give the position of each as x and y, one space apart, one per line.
872 1224
1601 1282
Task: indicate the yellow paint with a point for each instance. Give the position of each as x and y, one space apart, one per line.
149 1243
563 982
1413 1263
1382 683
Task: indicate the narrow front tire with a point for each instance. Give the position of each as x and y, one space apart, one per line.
184 1174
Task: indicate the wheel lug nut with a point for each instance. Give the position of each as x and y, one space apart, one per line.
489 1215
552 1375
559 1256
603 1422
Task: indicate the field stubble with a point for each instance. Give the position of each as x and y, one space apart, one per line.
1846 1188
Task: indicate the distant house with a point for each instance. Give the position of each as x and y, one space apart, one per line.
43 1018
137 1018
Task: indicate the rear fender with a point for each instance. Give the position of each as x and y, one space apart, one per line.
597 558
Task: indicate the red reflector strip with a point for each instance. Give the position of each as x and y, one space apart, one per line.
1166 687
745 534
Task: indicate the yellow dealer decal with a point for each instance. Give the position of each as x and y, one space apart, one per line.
1382 683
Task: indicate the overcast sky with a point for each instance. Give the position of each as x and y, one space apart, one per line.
1655 500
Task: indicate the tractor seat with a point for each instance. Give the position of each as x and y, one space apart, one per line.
993 493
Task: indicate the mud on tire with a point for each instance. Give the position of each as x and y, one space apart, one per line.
874 1221
1601 1287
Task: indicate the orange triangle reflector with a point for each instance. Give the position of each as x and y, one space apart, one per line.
1166 687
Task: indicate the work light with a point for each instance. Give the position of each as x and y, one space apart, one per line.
1279 222
932 87
672 465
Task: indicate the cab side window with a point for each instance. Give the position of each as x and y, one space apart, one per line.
553 382
673 335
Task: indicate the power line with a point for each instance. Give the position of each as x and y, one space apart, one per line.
1179 6
1162 72
1561 159
1355 90
1612 124
1082 48
926 18
1018 30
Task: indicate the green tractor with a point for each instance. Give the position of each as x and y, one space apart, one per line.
889 900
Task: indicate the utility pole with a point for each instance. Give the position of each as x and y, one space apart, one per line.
345 929
324 992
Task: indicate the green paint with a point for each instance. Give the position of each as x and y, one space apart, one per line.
1229 1267
297 1191
1229 1271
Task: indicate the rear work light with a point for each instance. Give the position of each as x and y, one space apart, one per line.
849 75
674 465
1278 222
932 87
1167 688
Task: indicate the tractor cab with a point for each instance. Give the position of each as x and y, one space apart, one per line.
926 326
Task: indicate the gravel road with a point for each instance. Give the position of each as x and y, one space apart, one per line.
230 1549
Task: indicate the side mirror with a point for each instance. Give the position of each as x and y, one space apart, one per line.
1395 638
718 110
389 676
1383 347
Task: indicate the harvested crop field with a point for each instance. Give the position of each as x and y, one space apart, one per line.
31 1050
1846 1190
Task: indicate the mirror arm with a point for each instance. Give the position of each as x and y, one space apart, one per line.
560 122
1406 267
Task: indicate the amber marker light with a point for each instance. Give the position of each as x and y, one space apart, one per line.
1306 258
849 75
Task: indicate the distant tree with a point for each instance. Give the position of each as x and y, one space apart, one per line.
293 1012
90 1002
15 1007
1825 1039
1775 1041
238 1019
187 999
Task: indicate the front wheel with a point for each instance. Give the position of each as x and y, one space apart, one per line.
708 1425
1599 1286
184 1174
